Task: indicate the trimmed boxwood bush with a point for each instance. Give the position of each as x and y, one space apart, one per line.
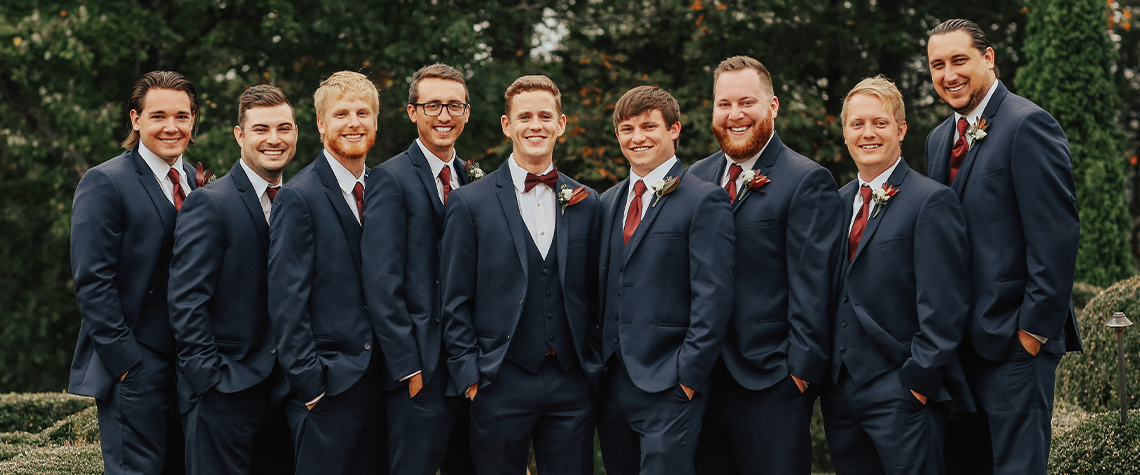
1083 293
1098 445
57 460
1089 380
35 411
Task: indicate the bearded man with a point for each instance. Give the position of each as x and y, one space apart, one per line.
788 229
316 294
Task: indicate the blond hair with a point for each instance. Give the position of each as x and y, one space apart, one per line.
882 88
346 85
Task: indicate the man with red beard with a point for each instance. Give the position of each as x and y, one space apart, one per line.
316 294
788 229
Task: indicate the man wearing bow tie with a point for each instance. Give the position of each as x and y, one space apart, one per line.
519 298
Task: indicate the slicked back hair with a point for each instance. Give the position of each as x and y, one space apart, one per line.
642 99
261 95
884 89
742 63
159 80
975 32
346 85
438 71
536 82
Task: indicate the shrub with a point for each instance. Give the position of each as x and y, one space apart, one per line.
1083 293
1089 380
76 429
1098 445
57 460
35 411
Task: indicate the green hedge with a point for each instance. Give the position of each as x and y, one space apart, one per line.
1083 293
1089 380
1098 445
35 411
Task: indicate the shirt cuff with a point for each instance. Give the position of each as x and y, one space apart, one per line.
1037 337
405 378
314 401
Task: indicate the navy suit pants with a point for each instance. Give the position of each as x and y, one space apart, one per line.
140 435
553 408
647 433
344 434
238 433
879 427
1012 431
420 428
754 432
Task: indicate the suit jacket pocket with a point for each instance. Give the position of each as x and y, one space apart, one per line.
581 241
666 235
990 173
760 223
889 243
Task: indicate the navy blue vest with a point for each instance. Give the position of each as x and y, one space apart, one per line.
610 339
543 324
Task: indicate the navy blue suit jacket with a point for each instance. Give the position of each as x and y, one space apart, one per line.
673 298
400 250
485 276
787 245
316 295
1016 188
219 304
122 232
903 299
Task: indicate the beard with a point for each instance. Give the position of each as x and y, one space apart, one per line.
351 151
743 148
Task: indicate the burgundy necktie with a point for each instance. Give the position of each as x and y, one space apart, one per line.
178 192
859 224
633 217
358 193
271 192
550 179
958 153
445 178
733 173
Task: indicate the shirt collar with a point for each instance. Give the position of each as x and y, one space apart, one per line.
518 173
344 178
433 161
973 116
259 183
878 181
652 177
158 165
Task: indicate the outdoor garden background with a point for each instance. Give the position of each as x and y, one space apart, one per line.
66 68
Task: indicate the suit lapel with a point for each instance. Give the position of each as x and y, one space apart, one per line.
938 164
651 213
880 212
191 175
460 169
562 229
252 202
423 171
166 212
991 110
510 206
348 221
764 165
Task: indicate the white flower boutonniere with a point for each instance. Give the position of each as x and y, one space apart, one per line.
751 181
568 197
664 187
883 196
976 132
473 171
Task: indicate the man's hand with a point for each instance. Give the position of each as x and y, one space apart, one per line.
799 383
311 406
124 376
688 391
472 390
1031 344
415 384
918 396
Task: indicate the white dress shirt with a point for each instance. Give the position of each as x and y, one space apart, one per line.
161 172
875 184
259 187
536 206
346 182
436 165
745 165
649 179
975 114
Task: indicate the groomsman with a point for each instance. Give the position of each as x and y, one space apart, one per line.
519 298
902 296
219 306
400 252
122 231
1009 163
666 293
316 294
788 218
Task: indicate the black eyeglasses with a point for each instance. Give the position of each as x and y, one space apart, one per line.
433 109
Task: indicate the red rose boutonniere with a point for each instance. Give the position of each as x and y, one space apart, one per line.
568 197
882 197
664 187
751 181
204 175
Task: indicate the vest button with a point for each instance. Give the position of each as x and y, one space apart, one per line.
551 338
273 351
367 346
545 271
547 293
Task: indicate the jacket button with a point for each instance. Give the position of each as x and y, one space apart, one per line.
273 351
845 299
545 270
547 293
150 291
367 346
843 324
621 269
551 338
842 349
437 321
615 341
508 338
549 315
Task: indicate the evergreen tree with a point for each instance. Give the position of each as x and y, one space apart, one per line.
1069 73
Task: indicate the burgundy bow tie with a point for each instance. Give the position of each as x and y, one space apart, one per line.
550 179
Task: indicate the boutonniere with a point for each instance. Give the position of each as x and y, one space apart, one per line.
883 196
473 171
751 181
976 132
664 187
568 197
204 176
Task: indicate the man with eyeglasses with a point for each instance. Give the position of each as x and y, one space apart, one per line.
403 224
